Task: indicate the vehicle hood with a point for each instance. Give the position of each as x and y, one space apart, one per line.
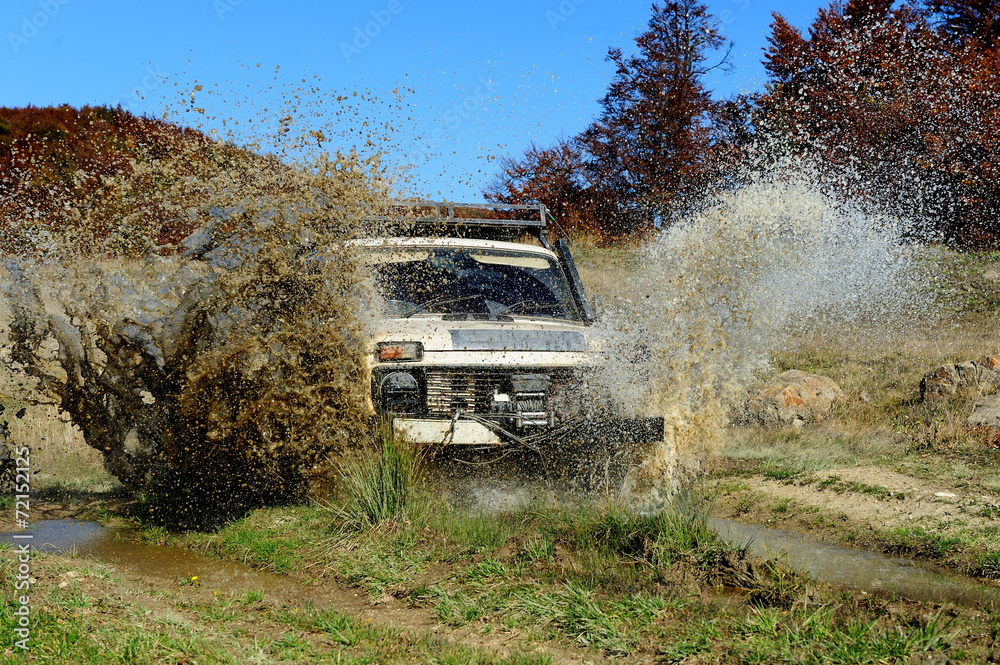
520 335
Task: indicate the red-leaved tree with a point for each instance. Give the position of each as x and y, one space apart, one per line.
652 150
554 176
903 100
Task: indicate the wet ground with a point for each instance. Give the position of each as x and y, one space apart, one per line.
166 578
91 540
842 566
856 569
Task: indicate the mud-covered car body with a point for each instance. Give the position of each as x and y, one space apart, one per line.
484 342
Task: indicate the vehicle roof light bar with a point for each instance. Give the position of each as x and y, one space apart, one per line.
503 222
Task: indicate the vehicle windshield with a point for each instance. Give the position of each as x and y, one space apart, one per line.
485 283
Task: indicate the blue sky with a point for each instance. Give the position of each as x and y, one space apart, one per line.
449 87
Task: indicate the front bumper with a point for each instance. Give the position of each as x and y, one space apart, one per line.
462 432
481 433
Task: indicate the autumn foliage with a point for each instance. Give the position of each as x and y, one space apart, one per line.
900 101
908 97
552 175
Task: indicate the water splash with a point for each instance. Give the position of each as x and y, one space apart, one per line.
726 286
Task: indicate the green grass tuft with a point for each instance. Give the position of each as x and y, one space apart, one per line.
381 485
920 541
988 565
671 534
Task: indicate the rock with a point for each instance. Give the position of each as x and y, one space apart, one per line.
991 362
985 412
991 275
793 396
946 380
939 383
968 373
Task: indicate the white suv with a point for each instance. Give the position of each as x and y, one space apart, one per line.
486 342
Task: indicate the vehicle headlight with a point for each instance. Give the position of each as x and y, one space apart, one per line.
400 351
400 393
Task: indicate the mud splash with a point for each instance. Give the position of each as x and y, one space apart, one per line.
721 289
226 368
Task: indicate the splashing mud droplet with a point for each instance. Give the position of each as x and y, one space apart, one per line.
220 370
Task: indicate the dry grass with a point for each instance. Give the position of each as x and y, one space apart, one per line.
881 419
604 271
59 456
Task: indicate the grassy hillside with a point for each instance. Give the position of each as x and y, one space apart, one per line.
103 178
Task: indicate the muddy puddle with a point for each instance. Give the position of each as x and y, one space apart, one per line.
88 539
860 570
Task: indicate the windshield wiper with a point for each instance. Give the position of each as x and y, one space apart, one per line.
439 301
524 305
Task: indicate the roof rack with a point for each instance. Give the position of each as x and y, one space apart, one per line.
466 220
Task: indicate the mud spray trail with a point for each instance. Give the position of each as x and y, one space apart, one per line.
227 364
217 347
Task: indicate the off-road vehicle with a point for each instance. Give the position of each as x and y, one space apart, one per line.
486 339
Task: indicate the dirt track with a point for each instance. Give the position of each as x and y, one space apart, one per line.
912 501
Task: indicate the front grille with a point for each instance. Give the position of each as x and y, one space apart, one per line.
472 390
